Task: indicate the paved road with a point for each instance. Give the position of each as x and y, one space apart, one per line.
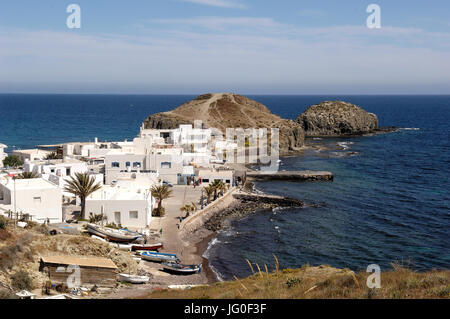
181 195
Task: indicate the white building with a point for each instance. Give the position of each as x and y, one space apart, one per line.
37 197
128 204
57 171
94 149
3 155
167 166
208 176
31 154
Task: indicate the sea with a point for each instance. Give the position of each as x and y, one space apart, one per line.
389 202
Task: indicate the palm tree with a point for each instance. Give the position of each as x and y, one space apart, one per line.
27 175
217 185
222 188
209 190
12 161
160 192
188 209
82 186
53 156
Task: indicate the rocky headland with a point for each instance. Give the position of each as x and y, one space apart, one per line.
228 110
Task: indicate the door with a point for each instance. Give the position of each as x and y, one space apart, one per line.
117 218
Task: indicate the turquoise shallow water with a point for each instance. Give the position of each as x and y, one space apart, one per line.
389 200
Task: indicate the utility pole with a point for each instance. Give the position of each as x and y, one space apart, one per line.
15 210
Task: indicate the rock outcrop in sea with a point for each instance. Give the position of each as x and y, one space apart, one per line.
228 110
337 118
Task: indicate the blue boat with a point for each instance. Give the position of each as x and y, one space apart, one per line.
159 257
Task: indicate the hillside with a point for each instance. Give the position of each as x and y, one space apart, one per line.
321 282
227 110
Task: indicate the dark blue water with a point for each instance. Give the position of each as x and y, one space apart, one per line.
389 201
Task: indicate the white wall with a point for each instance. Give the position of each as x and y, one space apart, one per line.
3 155
109 207
39 203
150 162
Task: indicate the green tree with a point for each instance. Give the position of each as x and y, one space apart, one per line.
27 175
82 185
218 186
53 156
12 161
188 209
209 191
160 192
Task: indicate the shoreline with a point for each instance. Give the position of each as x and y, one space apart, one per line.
241 205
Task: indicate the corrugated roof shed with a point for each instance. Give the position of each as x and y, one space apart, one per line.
80 261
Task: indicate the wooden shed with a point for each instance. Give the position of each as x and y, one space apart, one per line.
93 270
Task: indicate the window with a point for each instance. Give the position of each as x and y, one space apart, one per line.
227 181
166 165
1 195
137 164
115 164
133 214
67 171
36 200
127 164
205 180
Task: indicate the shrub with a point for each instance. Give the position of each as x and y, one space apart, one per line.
96 218
6 294
292 282
21 281
3 222
43 229
113 226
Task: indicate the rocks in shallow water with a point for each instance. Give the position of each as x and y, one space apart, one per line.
249 204
337 118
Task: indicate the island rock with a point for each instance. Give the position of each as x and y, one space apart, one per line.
337 118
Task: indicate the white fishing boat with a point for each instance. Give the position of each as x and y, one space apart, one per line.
134 279
158 257
114 235
182 269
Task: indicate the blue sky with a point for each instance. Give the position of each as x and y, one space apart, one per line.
248 47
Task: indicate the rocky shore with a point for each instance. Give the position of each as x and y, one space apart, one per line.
245 204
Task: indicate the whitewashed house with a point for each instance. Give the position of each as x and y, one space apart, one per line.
3 155
128 204
208 176
57 171
94 150
31 154
37 197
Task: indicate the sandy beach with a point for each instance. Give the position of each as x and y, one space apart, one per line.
189 242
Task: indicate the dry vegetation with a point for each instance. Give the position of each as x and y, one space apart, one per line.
21 249
321 282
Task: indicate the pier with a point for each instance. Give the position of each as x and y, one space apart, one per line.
300 176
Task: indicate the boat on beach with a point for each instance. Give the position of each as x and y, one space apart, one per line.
134 279
114 235
182 269
136 247
158 257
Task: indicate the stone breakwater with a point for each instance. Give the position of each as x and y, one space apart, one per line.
292 176
248 203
